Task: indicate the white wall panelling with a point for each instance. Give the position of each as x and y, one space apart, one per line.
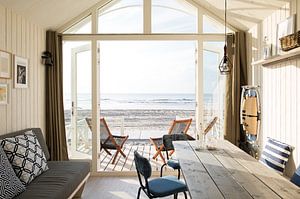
280 87
26 107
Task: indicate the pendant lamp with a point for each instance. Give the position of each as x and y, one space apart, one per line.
225 64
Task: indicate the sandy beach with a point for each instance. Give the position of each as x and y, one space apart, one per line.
139 123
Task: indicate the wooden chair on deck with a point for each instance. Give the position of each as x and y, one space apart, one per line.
177 127
109 141
210 125
168 145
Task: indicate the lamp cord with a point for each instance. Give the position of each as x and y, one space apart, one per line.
225 22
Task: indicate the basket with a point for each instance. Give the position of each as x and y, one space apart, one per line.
290 42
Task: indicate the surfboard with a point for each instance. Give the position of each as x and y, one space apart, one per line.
250 110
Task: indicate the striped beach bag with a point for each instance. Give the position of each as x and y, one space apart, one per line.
275 155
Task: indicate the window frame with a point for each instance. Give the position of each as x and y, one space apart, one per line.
147 34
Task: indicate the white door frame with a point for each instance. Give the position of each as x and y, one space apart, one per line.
74 52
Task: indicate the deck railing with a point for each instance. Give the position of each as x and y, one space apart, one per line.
128 126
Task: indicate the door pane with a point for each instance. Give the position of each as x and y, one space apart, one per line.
77 98
214 85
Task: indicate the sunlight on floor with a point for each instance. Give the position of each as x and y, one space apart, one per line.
114 188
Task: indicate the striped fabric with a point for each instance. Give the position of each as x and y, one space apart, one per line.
275 155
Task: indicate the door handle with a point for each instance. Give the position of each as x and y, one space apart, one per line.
72 112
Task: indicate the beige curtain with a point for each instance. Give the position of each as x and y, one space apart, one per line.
55 120
236 45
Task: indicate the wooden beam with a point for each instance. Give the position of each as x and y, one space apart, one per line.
218 15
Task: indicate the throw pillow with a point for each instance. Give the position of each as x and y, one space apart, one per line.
10 184
275 155
296 177
26 156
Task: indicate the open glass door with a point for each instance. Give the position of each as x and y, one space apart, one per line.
78 98
213 86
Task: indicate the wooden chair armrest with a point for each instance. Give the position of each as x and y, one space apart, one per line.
121 136
155 139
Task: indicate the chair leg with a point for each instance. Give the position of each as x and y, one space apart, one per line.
115 157
171 153
175 195
161 169
178 174
139 192
185 195
107 151
123 154
162 157
156 154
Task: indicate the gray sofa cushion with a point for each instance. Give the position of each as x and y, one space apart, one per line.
39 135
10 185
59 181
25 155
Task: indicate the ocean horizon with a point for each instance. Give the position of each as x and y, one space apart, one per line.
131 101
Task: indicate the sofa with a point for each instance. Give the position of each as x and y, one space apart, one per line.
63 179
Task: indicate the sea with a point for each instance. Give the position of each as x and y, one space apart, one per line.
132 101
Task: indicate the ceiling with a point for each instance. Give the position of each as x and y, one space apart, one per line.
49 13
242 14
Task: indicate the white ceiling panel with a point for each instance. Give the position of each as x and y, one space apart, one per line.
49 13
242 14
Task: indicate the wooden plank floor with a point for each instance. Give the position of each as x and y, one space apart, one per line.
115 188
127 164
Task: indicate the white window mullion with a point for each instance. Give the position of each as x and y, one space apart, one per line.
95 107
94 21
199 89
200 21
147 16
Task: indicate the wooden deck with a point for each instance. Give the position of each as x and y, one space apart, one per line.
127 164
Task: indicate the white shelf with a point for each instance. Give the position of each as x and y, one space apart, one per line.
279 58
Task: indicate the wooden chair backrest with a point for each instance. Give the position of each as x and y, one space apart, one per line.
89 122
210 125
180 126
105 132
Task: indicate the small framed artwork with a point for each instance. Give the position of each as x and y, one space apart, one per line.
284 28
5 64
3 94
20 72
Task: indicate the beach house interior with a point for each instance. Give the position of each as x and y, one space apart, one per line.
149 99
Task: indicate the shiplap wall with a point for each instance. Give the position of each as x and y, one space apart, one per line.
279 86
26 107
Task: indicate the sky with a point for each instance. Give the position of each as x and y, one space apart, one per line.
144 66
147 66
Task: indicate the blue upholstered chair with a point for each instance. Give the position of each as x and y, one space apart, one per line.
157 187
296 177
167 141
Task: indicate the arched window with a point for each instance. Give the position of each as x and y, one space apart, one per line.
173 16
212 26
82 27
124 16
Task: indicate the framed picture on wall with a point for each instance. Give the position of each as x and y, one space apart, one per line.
5 64
20 72
3 94
284 28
